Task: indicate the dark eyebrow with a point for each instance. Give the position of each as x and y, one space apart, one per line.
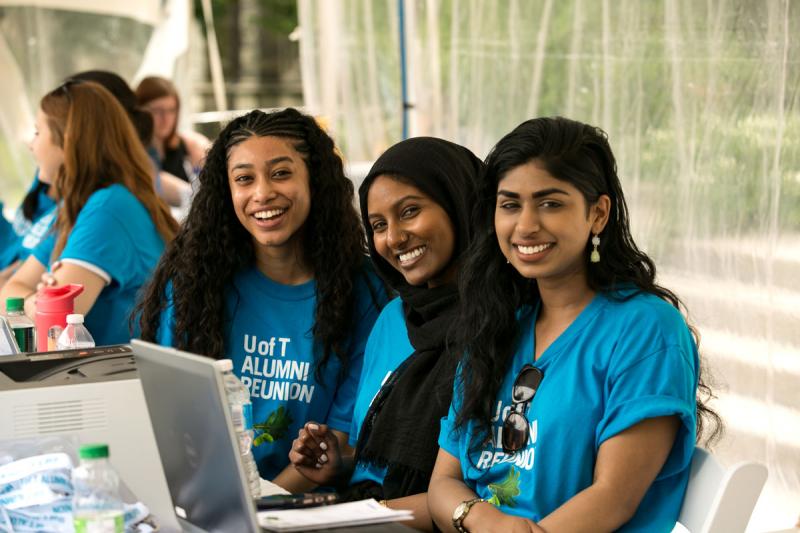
280 159
548 192
398 202
536 195
274 161
510 194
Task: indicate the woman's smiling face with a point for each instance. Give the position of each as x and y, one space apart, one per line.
270 189
543 224
412 232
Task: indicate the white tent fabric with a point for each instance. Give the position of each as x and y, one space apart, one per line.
41 43
169 41
145 11
700 100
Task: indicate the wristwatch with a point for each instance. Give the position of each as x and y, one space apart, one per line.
462 511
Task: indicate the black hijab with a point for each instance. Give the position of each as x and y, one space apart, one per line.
401 427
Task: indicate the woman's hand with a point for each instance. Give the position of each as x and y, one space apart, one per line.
316 454
48 278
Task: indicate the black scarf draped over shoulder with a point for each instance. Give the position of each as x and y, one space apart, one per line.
400 431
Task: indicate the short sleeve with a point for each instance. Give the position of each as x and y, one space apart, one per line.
44 250
100 242
340 416
662 383
369 356
448 435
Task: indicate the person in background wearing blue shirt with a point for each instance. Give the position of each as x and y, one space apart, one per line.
415 204
32 220
110 225
270 270
576 403
35 216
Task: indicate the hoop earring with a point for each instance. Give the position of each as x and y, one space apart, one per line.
595 257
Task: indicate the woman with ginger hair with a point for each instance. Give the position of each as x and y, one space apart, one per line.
111 226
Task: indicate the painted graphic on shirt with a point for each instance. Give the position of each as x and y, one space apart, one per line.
506 492
273 428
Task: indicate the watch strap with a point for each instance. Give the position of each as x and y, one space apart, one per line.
459 520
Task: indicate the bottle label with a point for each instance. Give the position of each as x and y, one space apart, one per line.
242 416
106 523
237 416
247 415
26 338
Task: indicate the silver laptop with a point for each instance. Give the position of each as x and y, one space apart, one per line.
8 344
188 408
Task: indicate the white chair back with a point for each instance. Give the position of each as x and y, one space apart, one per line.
720 500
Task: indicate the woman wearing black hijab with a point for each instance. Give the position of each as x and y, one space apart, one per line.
415 203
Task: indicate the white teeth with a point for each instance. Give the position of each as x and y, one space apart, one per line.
262 215
528 250
408 256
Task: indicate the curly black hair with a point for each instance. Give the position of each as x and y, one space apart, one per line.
212 245
580 155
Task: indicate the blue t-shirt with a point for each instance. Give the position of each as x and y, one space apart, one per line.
617 364
388 346
19 237
115 238
268 335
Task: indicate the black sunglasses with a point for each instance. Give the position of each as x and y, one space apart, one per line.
515 424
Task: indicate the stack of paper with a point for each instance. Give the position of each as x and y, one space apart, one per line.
329 516
268 488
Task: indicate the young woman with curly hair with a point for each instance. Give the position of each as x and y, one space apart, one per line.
110 226
270 270
576 407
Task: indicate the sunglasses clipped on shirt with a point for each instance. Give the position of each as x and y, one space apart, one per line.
516 428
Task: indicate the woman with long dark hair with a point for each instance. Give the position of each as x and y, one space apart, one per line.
110 226
576 404
415 204
270 270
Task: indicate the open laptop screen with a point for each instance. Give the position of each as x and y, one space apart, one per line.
195 438
8 345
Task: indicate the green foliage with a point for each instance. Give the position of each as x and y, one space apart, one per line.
506 492
277 16
274 427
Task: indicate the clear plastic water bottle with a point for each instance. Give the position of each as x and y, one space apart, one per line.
21 325
96 505
242 416
75 335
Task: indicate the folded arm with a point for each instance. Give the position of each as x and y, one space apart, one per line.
25 280
626 466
